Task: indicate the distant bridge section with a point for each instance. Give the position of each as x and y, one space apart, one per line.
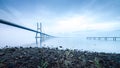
104 38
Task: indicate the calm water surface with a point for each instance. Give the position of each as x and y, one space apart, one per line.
84 44
16 37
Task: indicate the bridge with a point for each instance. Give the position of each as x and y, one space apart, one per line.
104 38
39 34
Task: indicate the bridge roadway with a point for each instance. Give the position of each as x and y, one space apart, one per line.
22 27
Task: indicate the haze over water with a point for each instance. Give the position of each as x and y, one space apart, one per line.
12 39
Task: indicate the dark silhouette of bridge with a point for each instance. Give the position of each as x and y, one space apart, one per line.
42 36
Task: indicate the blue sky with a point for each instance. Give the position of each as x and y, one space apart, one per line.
63 16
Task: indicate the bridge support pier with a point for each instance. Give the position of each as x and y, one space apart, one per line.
38 34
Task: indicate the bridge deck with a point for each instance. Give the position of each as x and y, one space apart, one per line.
22 27
104 38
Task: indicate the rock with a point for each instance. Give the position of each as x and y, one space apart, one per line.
11 65
56 58
90 61
60 46
1 54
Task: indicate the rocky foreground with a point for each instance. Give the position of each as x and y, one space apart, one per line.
56 58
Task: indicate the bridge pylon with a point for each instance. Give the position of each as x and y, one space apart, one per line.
39 33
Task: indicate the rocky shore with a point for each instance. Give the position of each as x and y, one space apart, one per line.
19 57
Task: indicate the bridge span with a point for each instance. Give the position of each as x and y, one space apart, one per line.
42 36
104 38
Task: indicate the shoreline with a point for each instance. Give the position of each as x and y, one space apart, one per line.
34 57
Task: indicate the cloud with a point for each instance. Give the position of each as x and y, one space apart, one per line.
63 16
82 22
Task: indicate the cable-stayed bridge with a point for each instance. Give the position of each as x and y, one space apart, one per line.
39 34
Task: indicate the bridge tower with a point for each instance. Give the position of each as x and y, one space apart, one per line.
39 33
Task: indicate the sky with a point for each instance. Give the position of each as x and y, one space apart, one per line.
63 16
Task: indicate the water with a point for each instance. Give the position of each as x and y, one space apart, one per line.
80 43
84 44
17 37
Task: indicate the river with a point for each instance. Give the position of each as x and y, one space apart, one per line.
84 44
16 38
